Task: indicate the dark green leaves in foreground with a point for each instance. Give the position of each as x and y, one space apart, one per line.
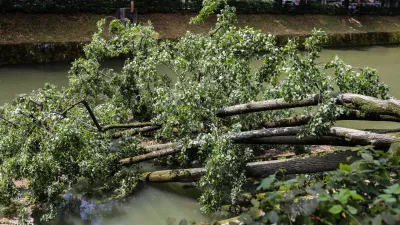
353 194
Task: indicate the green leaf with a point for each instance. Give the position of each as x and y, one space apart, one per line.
342 196
367 157
345 167
377 220
351 209
393 189
273 216
388 218
255 203
336 209
324 197
356 196
266 183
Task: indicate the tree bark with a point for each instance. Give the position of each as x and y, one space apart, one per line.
309 164
156 147
266 105
303 119
150 155
119 134
364 103
334 136
338 136
128 125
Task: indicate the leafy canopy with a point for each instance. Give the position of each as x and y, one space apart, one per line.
50 140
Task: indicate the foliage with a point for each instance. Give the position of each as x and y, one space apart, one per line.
365 192
51 139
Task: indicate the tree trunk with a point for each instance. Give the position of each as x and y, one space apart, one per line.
126 126
309 164
156 147
363 103
303 119
119 134
335 136
368 104
266 105
338 136
150 155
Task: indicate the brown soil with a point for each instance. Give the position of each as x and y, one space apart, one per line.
22 28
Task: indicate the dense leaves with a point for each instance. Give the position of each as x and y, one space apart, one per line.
365 192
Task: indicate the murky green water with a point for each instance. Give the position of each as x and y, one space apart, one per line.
155 203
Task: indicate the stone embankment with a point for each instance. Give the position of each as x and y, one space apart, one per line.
30 38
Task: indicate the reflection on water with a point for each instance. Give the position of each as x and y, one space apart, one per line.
154 203
150 204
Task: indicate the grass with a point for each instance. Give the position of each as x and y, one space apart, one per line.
23 28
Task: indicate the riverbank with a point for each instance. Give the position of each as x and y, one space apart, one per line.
27 38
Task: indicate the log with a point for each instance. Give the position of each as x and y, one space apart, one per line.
142 130
364 103
267 105
156 147
308 164
369 104
334 136
338 136
303 119
126 126
150 155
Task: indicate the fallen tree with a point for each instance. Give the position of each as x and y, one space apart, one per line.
355 101
352 115
338 136
52 138
309 164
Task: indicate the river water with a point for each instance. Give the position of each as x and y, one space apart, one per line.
157 203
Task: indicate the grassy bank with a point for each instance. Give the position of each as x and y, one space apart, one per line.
23 28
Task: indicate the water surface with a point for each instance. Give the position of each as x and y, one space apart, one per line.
155 203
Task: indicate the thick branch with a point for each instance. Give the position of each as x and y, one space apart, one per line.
125 126
151 155
309 164
364 103
334 136
266 105
142 130
99 128
108 127
7 121
156 147
338 136
354 115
